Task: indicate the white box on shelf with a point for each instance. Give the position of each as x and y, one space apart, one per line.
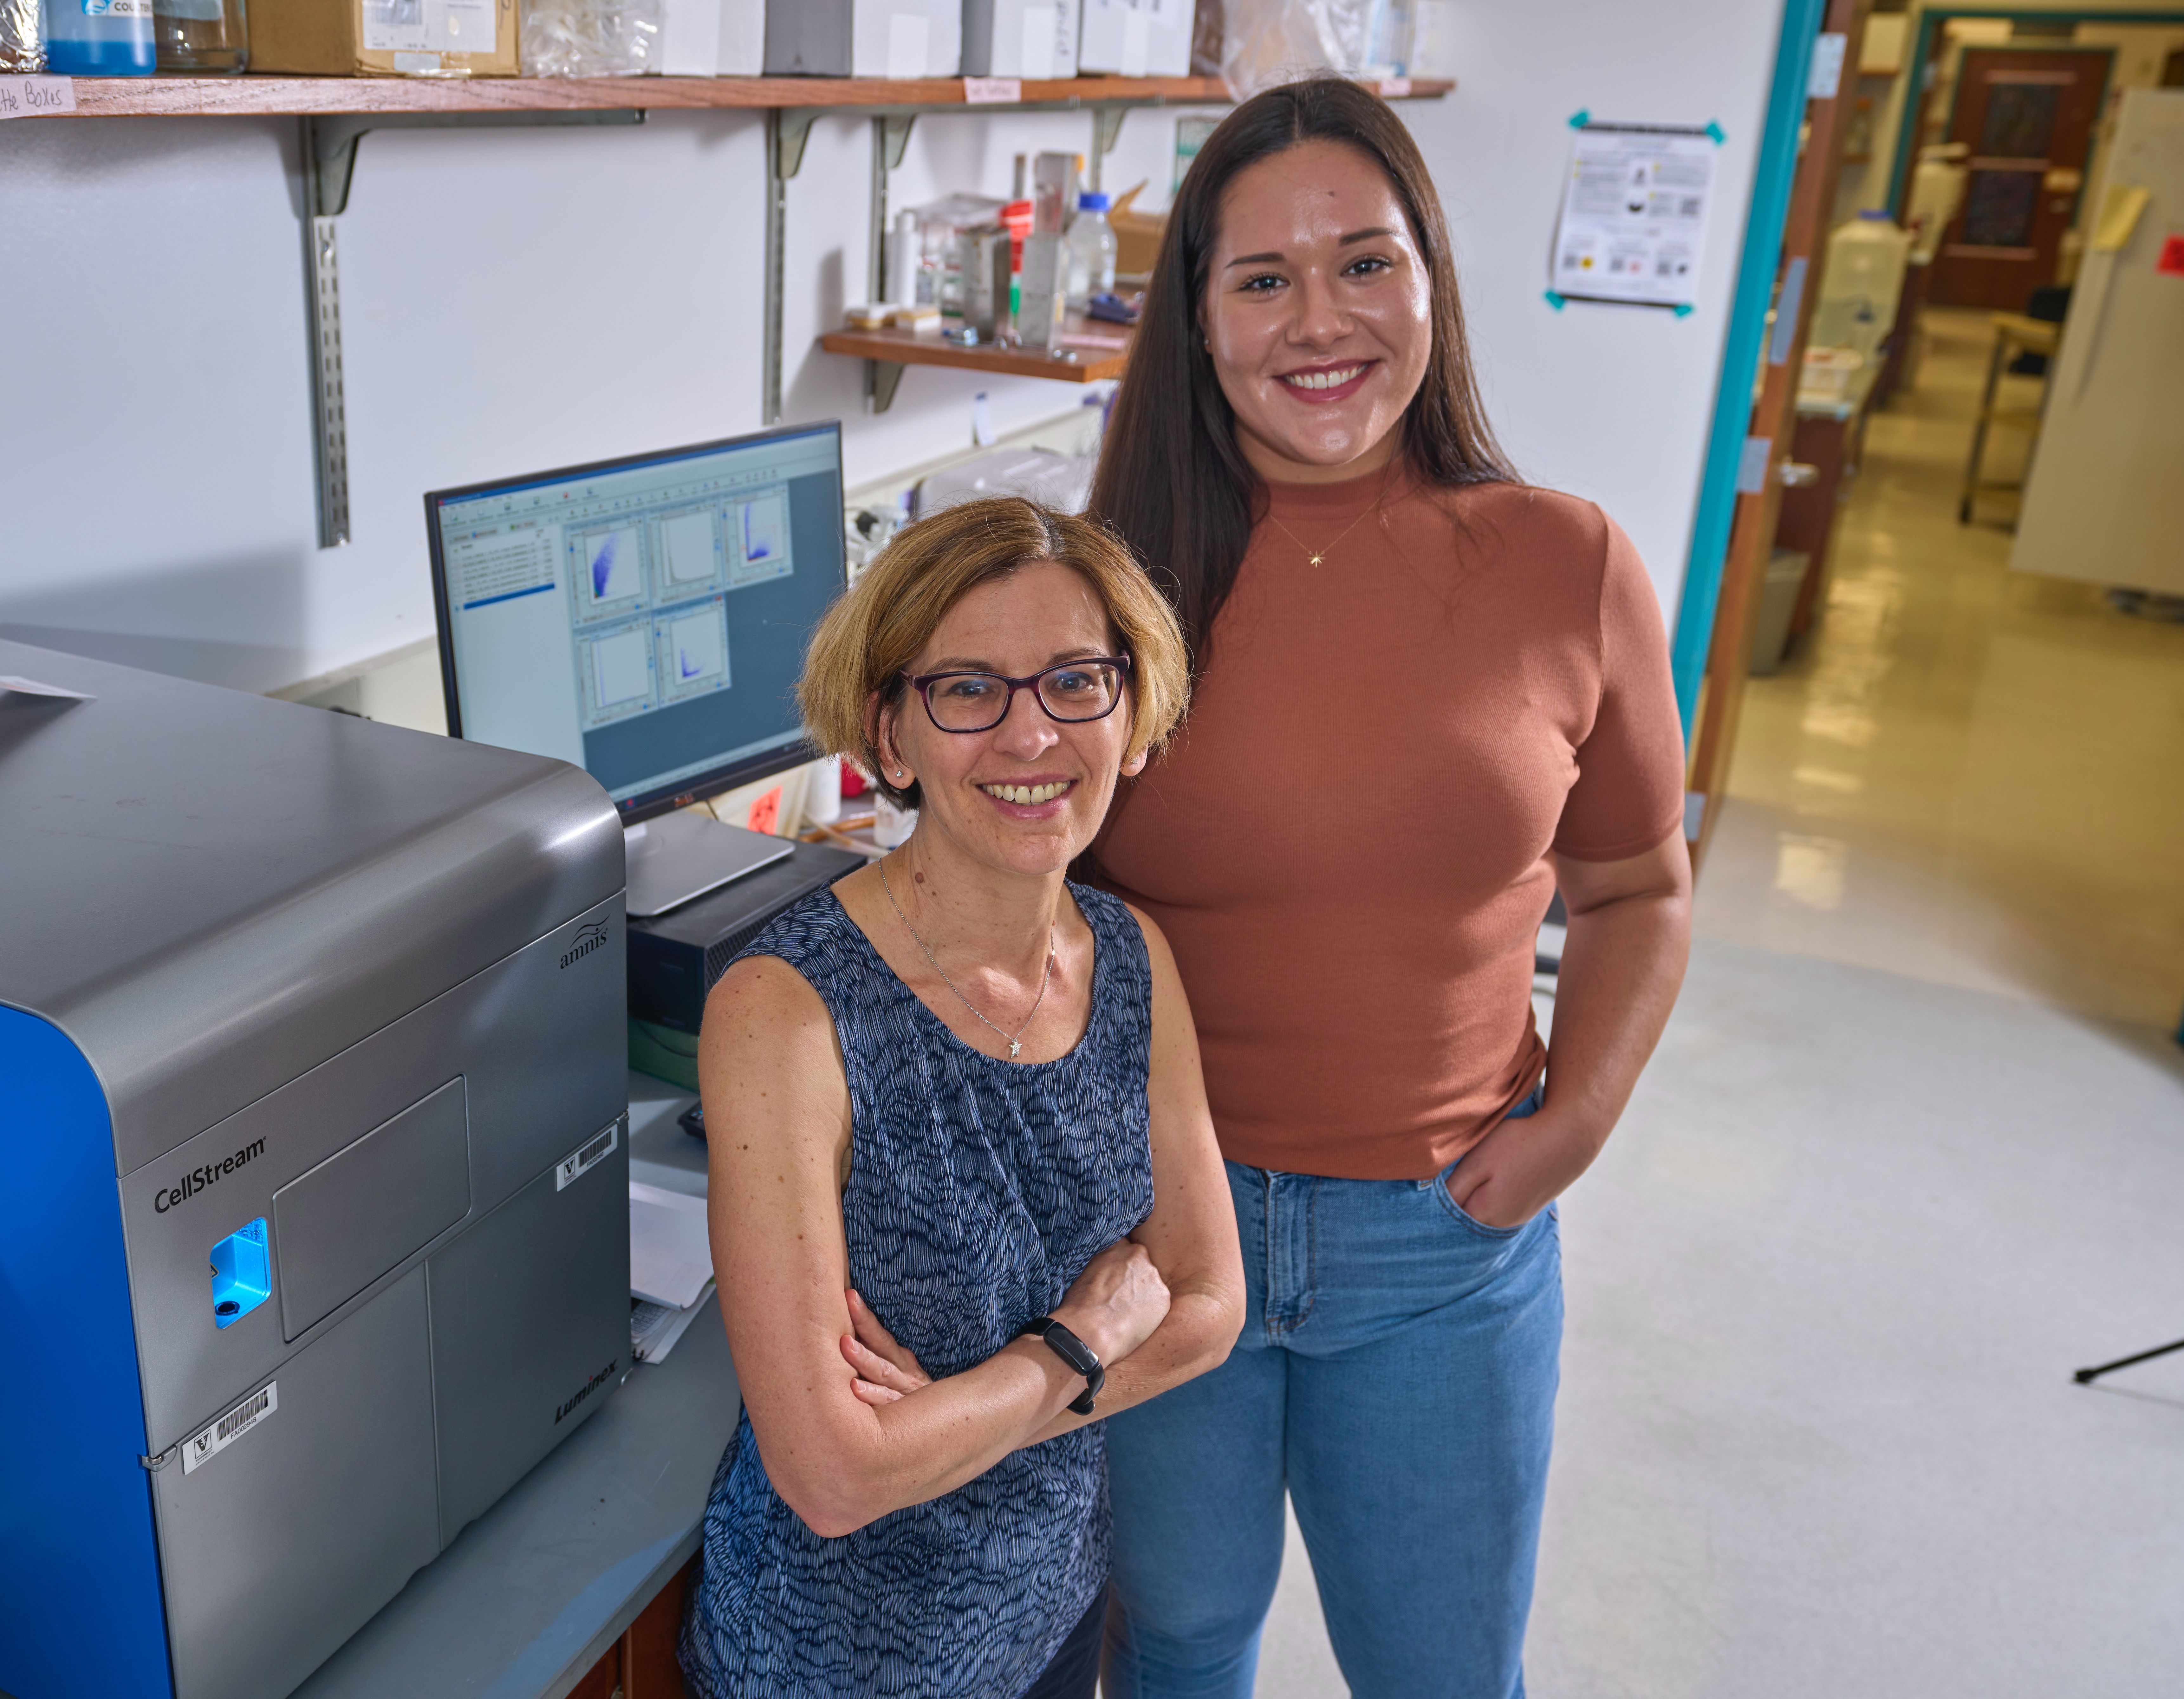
1136 37
1019 38
712 37
879 38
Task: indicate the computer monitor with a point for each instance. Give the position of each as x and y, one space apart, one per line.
644 618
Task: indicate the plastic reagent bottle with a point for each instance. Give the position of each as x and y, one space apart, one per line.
100 38
1091 264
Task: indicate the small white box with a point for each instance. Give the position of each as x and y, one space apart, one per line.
1136 37
712 37
883 38
1019 38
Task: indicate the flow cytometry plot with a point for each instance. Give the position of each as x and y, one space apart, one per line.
619 672
695 650
762 549
613 569
686 544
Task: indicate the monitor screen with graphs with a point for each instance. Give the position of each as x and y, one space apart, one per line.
644 618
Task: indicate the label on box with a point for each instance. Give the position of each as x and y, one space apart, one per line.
117 9
204 1446
33 97
575 1167
430 26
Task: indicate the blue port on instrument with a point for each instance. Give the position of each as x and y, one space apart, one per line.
241 1277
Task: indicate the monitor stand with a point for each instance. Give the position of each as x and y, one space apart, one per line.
685 854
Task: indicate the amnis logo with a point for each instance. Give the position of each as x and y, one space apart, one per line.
588 1388
588 938
198 1179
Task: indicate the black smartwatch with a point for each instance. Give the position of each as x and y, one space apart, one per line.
1075 1353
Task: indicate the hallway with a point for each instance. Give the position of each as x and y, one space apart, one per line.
1962 774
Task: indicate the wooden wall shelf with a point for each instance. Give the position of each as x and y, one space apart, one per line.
244 97
898 349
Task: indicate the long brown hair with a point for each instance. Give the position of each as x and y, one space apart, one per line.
1171 481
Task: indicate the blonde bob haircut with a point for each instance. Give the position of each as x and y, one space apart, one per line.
870 637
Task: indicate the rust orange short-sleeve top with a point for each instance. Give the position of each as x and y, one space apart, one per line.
1346 842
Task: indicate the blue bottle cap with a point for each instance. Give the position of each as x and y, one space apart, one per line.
1092 201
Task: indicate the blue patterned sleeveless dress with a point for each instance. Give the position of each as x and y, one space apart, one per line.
978 1191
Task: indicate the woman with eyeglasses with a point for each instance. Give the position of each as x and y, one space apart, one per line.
964 1196
1426 696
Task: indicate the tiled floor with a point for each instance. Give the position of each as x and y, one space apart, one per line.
1965 774
1912 1149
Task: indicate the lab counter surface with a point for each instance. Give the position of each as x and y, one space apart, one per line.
534 1592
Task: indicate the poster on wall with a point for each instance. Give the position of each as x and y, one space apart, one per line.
1634 214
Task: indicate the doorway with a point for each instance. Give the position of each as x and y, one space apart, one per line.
2026 119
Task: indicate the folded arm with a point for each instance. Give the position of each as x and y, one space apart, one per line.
777 1115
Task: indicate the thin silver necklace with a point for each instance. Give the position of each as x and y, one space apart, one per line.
1014 1042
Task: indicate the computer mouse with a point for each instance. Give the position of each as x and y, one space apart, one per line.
693 1121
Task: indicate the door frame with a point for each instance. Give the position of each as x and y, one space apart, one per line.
1757 266
1921 50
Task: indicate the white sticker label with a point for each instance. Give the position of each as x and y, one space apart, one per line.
587 1156
32 96
204 1447
430 26
908 35
1827 66
991 91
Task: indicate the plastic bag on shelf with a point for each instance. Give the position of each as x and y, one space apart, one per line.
1256 44
22 37
591 37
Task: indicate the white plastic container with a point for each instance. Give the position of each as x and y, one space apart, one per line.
1860 284
1938 190
1091 251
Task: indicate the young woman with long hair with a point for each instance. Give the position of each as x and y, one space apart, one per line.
1426 696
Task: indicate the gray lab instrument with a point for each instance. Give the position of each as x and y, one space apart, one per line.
314 1235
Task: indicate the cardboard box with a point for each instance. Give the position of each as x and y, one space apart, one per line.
712 37
1136 38
385 37
1137 236
1019 38
888 38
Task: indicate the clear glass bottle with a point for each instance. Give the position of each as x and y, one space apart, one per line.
1091 241
99 38
210 37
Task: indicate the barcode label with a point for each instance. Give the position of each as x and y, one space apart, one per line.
588 1157
208 1443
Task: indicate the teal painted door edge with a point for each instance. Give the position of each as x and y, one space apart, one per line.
1747 320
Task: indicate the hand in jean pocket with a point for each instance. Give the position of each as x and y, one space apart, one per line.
1518 1169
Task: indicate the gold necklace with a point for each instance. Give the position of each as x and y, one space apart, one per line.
1316 555
1015 1043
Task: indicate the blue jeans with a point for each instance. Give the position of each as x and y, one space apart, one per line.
1396 1374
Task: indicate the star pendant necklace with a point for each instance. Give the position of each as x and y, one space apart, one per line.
1316 555
1014 1041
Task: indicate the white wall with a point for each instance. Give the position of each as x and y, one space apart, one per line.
524 299
1609 402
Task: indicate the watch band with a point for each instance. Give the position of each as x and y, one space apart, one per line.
1073 1352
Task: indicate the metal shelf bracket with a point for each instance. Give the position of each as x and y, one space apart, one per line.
329 164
